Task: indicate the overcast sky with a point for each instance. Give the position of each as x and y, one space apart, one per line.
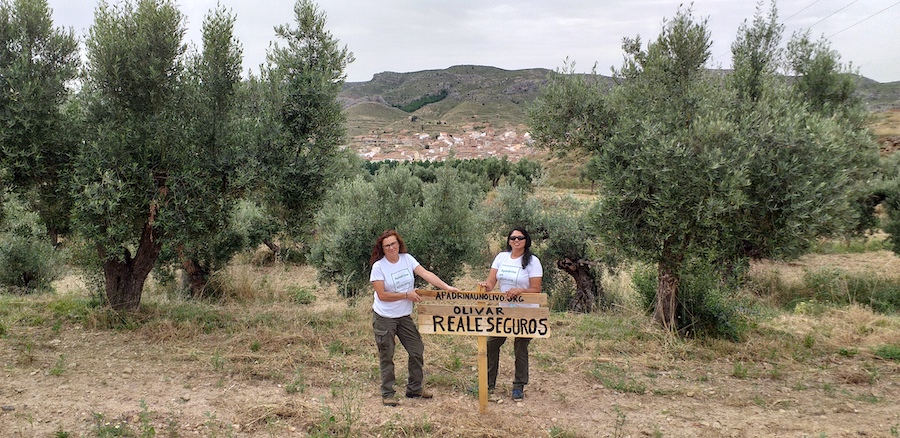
415 35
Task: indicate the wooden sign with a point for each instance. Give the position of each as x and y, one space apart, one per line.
488 298
483 314
521 322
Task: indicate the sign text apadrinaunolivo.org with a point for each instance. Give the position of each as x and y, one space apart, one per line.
490 298
524 322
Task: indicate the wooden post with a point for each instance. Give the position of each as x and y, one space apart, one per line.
482 374
482 369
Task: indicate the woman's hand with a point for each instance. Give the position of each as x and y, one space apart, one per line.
514 292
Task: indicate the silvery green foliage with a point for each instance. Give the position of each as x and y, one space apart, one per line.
28 262
38 64
135 148
437 221
695 164
305 70
446 233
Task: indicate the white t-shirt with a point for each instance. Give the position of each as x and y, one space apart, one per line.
510 273
397 277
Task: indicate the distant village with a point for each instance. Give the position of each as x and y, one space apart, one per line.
407 145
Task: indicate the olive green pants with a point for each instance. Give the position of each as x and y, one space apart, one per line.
520 348
405 329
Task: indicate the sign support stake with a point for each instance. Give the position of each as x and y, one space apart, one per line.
482 369
482 374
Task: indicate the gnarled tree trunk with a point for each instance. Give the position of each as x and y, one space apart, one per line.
125 279
666 296
272 247
197 276
586 291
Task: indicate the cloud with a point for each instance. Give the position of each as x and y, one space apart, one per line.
413 35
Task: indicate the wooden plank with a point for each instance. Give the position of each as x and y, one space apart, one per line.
490 298
523 322
482 374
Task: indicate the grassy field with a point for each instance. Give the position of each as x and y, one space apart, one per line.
281 355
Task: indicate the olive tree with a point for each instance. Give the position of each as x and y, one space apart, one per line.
446 232
563 239
813 159
205 240
688 172
890 193
131 154
301 156
37 142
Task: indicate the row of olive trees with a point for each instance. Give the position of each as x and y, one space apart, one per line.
694 164
146 162
523 173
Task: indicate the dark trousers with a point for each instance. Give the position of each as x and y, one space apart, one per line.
520 348
403 328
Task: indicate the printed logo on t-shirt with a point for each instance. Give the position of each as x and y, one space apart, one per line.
403 280
508 274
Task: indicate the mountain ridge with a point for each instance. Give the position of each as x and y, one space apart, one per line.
493 95
480 109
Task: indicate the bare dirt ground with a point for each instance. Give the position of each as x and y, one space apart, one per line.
72 380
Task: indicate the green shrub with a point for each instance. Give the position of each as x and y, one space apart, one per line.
27 264
644 279
28 261
437 221
301 295
707 306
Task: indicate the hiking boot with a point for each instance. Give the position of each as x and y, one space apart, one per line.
390 400
518 394
421 394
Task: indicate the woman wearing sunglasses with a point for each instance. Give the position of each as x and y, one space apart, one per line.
393 277
517 271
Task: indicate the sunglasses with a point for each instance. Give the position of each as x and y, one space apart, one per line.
516 237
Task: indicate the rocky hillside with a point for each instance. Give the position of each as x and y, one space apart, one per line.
469 111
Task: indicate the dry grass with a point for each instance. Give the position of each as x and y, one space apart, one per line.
269 366
886 123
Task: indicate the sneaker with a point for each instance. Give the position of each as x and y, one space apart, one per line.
518 395
421 394
492 397
390 400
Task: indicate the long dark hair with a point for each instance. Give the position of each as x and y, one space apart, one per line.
526 258
378 250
